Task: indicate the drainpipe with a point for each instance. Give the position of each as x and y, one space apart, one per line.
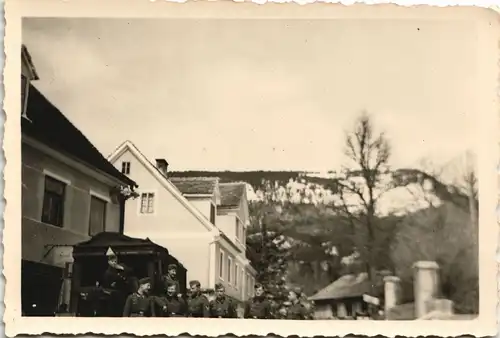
122 216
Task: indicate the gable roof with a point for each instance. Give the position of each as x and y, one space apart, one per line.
345 287
164 181
48 125
195 185
28 62
232 193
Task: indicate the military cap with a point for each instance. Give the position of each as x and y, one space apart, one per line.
110 253
172 266
144 280
194 282
171 283
219 286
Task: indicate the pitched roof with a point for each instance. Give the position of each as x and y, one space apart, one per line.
195 185
345 287
232 193
48 125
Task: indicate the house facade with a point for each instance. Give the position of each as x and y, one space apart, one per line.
70 192
182 215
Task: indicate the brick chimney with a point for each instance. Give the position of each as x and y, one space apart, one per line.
162 165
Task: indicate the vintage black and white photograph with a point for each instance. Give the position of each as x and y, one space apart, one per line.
271 169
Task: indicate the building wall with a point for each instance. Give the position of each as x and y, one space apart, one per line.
241 290
202 204
35 234
171 225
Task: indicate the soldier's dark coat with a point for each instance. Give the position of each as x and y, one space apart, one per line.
258 308
222 308
297 312
139 306
198 306
175 306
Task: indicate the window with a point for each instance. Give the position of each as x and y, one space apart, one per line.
53 202
221 264
229 269
126 168
212 214
244 239
97 220
249 287
147 203
236 272
238 229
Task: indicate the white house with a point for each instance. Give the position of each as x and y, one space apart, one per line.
181 215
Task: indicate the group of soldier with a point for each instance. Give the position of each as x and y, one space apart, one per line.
173 304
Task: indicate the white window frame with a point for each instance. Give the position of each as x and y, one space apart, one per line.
229 269
55 176
236 273
122 171
221 265
155 203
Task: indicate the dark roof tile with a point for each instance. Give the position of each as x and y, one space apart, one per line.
232 193
48 125
195 185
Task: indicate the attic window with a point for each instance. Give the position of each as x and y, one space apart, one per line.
126 168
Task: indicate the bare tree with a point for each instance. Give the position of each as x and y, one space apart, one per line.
362 185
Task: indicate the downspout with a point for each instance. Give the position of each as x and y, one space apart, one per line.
122 216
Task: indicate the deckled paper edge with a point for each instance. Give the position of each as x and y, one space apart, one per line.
60 325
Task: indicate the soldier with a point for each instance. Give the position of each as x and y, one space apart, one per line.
222 306
258 307
297 310
282 312
171 277
198 305
172 304
117 274
139 304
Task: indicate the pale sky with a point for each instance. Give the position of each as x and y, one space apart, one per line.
260 94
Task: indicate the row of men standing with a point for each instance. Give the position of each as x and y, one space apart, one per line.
173 304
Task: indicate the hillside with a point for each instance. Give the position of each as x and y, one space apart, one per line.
301 211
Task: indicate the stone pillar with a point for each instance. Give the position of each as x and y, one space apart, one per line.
392 292
426 285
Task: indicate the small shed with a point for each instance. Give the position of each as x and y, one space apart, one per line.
144 257
343 299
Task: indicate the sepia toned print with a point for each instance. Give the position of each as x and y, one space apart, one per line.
255 174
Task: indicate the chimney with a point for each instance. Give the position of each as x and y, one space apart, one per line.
392 292
162 165
426 286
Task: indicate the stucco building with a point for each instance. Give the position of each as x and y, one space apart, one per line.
70 192
191 218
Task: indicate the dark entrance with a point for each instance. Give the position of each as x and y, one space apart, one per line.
143 258
40 287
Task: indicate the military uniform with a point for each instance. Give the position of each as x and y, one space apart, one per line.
139 306
258 308
172 306
297 311
198 306
222 308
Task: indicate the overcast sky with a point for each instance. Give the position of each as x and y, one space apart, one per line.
260 94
